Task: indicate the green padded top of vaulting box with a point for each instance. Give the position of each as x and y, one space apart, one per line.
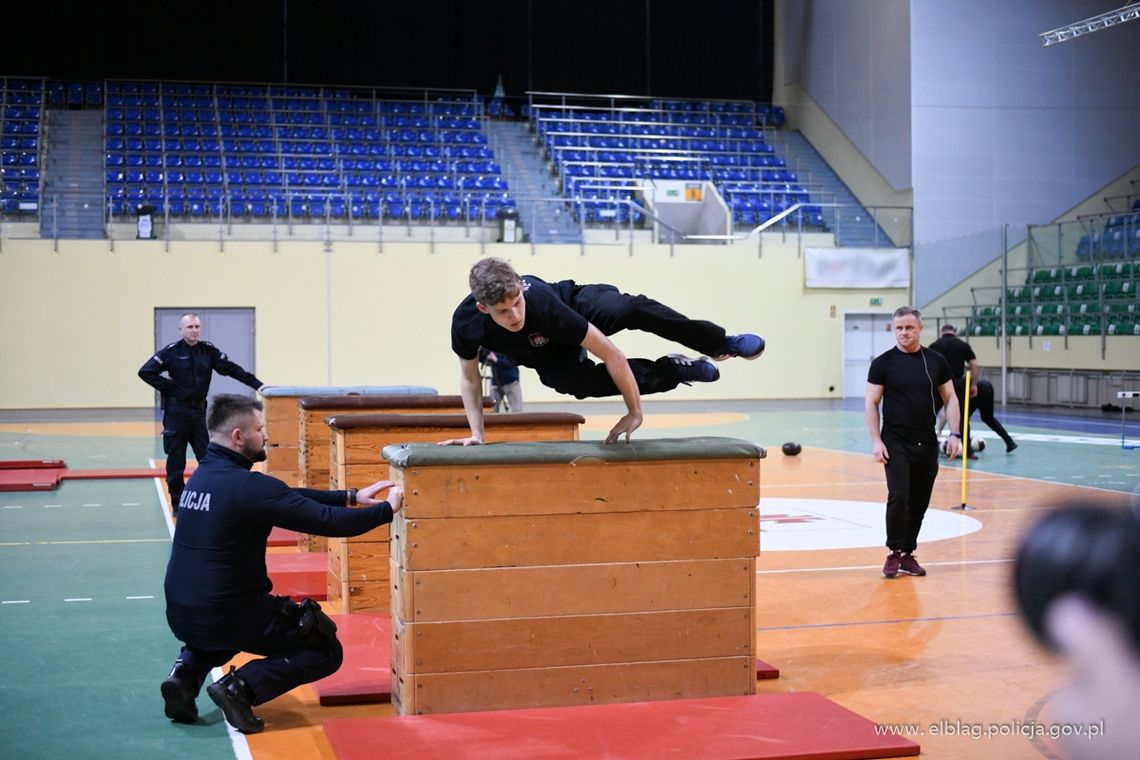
567 452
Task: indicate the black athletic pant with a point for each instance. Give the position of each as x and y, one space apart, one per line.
574 373
911 470
983 403
182 425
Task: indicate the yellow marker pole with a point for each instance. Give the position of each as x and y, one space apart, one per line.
965 438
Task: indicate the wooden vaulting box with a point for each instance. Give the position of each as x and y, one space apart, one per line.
282 414
315 438
358 578
544 574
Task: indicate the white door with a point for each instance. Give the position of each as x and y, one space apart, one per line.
230 329
865 336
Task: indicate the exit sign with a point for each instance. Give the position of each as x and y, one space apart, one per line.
876 302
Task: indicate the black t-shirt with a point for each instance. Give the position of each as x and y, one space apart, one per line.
910 388
956 351
550 326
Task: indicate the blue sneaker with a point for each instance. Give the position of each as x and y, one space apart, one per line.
691 371
746 345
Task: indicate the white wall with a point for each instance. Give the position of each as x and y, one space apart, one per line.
961 101
75 325
853 59
1008 131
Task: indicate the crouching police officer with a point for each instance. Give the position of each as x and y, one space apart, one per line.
218 599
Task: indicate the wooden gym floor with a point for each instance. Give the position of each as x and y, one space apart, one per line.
944 658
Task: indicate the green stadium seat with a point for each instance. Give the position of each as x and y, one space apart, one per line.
1080 289
1019 294
1118 271
1125 326
1119 289
1084 272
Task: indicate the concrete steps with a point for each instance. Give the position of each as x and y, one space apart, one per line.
73 176
529 178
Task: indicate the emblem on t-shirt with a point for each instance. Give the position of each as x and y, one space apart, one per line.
538 340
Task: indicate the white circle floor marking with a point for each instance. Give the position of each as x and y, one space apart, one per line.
801 524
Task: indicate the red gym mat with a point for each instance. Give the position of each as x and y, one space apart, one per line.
31 474
764 671
365 677
45 474
800 726
299 574
283 537
112 474
30 479
32 464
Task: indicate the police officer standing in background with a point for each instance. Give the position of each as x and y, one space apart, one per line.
189 363
218 599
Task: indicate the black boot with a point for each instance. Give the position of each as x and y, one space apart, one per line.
233 695
179 690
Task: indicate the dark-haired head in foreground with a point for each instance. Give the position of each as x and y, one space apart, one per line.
1077 582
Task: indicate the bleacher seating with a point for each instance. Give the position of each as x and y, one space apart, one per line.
21 123
601 153
1096 296
1119 238
274 152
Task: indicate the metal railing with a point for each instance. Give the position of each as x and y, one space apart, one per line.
1080 279
343 218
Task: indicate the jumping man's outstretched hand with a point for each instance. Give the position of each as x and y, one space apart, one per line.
626 425
471 441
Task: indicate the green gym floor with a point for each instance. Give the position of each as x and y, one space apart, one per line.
83 637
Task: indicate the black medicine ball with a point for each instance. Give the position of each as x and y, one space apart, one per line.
791 449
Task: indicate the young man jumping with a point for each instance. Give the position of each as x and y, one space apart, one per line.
552 327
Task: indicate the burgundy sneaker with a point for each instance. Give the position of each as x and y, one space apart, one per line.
910 566
891 566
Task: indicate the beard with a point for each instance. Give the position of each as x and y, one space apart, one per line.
254 455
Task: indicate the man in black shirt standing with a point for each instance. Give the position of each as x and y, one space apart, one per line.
218 599
908 380
958 354
552 326
189 364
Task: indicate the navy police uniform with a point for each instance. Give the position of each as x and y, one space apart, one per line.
184 394
910 395
218 592
557 316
